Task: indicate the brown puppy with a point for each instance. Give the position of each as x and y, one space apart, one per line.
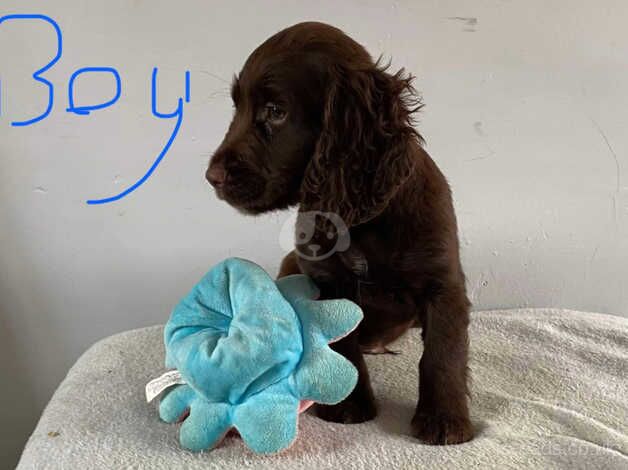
317 123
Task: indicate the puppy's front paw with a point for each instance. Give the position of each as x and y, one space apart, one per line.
441 429
347 412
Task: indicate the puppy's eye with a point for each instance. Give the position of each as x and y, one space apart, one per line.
274 113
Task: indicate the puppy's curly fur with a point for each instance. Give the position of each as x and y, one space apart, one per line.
362 155
321 125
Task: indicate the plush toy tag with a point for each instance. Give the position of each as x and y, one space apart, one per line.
161 383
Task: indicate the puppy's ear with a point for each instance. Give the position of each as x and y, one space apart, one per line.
364 152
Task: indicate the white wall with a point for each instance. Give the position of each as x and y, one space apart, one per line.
526 113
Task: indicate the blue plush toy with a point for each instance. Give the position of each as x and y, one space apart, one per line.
253 353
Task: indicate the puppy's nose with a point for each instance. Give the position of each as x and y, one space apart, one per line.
216 175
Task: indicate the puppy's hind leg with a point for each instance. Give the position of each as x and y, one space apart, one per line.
442 413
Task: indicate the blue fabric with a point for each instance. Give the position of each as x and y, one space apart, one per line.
250 349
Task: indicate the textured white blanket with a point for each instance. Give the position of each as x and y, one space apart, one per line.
549 390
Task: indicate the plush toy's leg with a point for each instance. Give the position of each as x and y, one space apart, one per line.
289 265
359 406
442 414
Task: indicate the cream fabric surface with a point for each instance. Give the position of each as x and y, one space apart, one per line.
549 390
